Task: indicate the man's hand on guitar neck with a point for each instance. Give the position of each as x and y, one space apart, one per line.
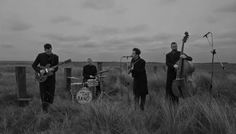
183 56
176 66
46 70
51 69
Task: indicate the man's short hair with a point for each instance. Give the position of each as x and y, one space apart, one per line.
137 51
47 46
172 43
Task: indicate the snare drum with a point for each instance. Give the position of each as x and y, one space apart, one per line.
84 96
92 82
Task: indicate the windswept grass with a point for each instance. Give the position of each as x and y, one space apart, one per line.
199 114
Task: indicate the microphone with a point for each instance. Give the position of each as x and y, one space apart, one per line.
206 35
130 56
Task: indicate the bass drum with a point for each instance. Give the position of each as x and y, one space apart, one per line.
84 96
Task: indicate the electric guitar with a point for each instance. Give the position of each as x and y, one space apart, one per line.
43 77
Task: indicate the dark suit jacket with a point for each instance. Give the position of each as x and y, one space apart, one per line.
89 70
140 78
43 59
171 60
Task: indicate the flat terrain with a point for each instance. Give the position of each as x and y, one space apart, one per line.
203 113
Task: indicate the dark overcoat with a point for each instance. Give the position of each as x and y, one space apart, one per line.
139 77
171 59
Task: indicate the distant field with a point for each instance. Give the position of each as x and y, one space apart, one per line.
199 114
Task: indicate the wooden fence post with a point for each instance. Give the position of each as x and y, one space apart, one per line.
67 73
155 69
22 96
99 66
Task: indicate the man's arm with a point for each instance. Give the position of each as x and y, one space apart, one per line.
188 57
35 64
85 72
95 70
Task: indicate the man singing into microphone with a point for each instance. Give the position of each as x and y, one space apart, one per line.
137 68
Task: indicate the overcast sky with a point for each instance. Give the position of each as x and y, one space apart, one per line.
107 29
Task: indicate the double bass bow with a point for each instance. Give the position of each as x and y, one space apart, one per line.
180 86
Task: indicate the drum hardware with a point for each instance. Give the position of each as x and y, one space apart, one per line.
86 93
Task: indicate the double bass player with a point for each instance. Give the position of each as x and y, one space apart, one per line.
171 61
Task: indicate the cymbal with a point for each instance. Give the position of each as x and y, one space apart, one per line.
104 71
102 76
73 78
77 83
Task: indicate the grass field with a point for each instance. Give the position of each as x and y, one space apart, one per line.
199 114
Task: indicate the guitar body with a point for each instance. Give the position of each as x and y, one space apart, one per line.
40 78
43 77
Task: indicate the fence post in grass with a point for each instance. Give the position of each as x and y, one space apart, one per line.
99 66
22 96
67 73
155 69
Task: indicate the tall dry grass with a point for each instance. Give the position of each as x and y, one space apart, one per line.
199 114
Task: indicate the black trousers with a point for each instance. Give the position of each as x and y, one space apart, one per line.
47 91
171 76
140 100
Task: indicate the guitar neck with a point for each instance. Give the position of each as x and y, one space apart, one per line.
57 65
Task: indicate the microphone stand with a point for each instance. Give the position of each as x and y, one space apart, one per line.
127 57
213 52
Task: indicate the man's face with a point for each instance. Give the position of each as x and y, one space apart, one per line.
48 50
134 55
90 61
174 46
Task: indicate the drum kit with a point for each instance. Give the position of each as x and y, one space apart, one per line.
84 92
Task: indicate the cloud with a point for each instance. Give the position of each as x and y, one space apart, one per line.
211 19
231 8
167 1
228 35
104 31
218 43
137 29
89 45
61 19
64 38
17 25
7 46
64 19
98 4
157 39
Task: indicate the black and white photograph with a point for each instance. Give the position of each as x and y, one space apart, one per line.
117 66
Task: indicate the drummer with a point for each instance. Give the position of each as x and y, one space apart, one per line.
89 72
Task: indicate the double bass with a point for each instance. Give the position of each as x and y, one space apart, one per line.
181 86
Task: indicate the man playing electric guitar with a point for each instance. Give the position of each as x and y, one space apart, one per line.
47 87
